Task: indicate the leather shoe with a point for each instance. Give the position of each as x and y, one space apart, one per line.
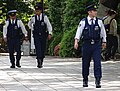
85 83
39 63
18 66
97 82
39 66
13 66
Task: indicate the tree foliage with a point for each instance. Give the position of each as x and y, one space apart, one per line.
55 14
23 9
55 11
74 11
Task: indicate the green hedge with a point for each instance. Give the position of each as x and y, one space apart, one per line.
67 44
55 41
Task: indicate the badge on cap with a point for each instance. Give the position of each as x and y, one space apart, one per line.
95 6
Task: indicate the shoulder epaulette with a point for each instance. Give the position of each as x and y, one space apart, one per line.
44 14
8 20
99 19
18 19
83 19
33 15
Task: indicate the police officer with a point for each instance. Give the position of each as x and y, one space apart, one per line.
41 27
112 41
92 31
12 32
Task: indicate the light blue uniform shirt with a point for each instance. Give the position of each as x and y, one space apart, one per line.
82 25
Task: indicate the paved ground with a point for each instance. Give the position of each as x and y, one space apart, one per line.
57 75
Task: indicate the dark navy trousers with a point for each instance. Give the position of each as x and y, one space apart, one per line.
40 46
14 45
90 51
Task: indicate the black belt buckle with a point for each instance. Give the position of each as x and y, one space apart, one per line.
92 42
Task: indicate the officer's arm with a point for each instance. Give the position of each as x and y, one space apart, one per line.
103 32
5 29
49 26
23 28
30 23
79 31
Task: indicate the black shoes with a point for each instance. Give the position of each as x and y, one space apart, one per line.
39 66
98 85
85 83
13 66
40 62
97 82
18 64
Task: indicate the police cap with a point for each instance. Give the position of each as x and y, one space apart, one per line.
12 12
92 7
38 6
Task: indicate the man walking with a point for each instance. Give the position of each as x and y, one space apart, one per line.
42 29
12 32
91 30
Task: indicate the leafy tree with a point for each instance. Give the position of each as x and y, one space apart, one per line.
67 43
74 11
55 11
22 7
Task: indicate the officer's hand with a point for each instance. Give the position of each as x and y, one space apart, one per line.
76 46
5 39
26 38
103 45
49 36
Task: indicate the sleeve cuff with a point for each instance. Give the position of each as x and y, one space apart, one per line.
26 35
5 36
50 33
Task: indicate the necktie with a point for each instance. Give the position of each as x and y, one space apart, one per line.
92 28
39 18
12 21
92 24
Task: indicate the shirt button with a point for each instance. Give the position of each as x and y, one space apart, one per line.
39 33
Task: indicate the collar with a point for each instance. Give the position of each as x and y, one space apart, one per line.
39 15
13 20
89 18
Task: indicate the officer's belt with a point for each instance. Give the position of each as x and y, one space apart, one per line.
91 41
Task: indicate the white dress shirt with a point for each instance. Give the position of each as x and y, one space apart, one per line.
82 25
19 24
46 20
